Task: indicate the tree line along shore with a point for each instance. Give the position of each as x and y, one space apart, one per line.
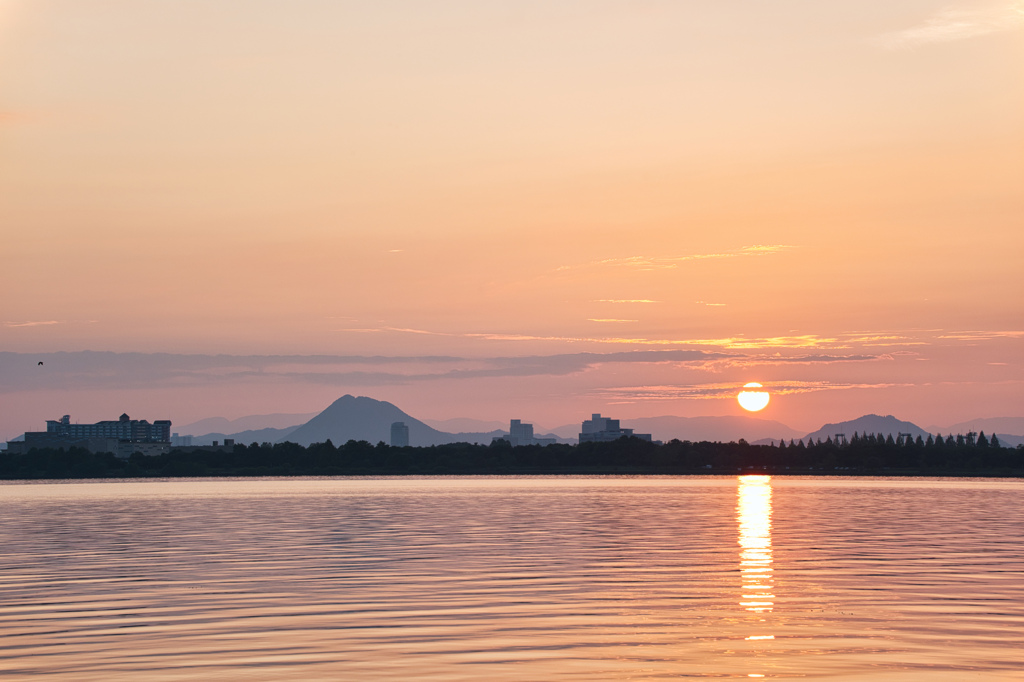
861 455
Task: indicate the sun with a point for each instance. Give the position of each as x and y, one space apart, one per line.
753 400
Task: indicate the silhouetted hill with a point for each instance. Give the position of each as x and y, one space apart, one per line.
869 423
352 418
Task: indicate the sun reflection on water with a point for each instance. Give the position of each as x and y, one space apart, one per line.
754 514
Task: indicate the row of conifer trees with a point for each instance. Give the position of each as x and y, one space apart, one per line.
969 440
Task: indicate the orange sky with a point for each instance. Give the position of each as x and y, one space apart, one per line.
829 194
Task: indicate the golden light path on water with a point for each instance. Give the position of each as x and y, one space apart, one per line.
754 518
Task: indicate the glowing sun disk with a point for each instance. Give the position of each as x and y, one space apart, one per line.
753 400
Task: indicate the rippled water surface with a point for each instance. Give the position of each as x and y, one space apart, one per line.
513 578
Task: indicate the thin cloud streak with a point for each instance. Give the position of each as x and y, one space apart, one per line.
668 263
727 390
624 300
95 370
730 343
865 340
767 360
40 323
956 24
982 336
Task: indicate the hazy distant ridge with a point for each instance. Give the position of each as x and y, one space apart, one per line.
246 437
715 429
989 425
254 422
362 418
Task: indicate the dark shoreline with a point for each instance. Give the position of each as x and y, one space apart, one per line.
625 457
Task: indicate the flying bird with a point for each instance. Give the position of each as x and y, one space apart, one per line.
40 362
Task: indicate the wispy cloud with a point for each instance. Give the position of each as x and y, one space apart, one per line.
624 300
957 23
815 359
726 390
727 343
889 340
982 335
608 319
104 370
34 323
643 263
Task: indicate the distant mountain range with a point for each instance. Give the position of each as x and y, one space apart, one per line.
724 429
358 418
361 418
988 425
255 422
462 424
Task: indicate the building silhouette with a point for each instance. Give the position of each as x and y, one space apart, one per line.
522 434
600 429
122 437
399 435
125 428
178 440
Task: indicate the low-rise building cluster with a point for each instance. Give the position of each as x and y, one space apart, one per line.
522 434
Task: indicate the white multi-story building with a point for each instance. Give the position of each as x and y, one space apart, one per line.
125 428
600 429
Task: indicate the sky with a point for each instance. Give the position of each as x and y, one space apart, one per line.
500 209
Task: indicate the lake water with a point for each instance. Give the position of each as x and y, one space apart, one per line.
513 579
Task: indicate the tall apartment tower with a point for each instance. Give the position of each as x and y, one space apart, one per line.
399 435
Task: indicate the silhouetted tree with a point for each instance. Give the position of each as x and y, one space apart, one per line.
982 441
994 442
